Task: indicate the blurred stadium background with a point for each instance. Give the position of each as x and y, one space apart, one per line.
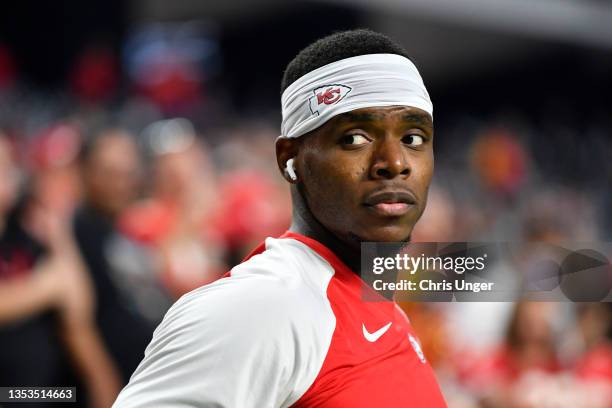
140 136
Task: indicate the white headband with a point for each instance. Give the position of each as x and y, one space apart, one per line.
358 82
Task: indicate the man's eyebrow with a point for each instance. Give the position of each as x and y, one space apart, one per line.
418 118
359 117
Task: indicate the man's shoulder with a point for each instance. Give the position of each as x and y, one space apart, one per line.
285 262
264 332
285 283
279 271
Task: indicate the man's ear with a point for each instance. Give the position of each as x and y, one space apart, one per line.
286 149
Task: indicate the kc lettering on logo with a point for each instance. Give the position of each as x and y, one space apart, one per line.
327 95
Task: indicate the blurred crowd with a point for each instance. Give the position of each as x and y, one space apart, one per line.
116 199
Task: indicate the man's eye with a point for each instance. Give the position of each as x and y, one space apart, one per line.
354 140
413 140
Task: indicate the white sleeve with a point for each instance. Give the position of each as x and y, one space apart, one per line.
228 344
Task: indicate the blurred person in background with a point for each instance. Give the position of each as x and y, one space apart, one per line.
530 371
595 329
129 299
437 224
46 301
592 362
439 218
256 203
529 351
52 160
178 220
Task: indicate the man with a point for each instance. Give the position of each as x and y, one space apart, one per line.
174 221
48 334
288 327
124 280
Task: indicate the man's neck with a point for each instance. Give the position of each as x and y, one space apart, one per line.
304 223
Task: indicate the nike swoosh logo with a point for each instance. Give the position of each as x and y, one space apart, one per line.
372 337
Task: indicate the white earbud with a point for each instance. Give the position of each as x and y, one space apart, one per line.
290 168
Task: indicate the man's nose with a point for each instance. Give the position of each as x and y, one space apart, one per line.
390 159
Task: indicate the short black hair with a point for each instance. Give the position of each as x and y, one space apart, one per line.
337 46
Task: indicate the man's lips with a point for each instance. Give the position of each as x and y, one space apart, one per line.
390 203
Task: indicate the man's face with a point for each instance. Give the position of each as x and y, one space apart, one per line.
111 173
8 175
365 173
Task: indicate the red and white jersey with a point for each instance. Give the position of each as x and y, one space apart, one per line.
287 327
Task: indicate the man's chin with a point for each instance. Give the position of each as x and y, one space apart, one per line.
383 235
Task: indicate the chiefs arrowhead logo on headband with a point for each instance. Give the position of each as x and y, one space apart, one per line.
327 95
